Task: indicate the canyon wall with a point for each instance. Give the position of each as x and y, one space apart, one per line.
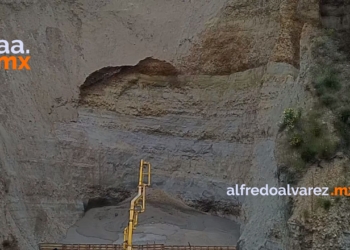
197 89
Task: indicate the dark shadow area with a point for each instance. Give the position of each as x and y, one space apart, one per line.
147 66
100 202
10 243
216 207
100 75
108 197
335 14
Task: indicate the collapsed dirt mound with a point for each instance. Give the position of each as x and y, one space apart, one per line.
165 220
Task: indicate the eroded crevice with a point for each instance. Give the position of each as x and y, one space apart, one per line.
220 208
102 197
100 76
148 66
152 67
103 87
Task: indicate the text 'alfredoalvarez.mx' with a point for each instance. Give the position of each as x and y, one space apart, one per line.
13 56
242 190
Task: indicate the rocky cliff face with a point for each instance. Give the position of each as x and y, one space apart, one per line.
335 14
195 88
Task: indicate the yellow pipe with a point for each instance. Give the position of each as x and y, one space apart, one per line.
133 216
143 200
141 173
131 220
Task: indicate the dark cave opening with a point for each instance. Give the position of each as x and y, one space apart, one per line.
108 197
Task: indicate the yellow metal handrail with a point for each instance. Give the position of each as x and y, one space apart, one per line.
50 246
137 204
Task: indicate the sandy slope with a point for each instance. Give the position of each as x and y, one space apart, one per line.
165 221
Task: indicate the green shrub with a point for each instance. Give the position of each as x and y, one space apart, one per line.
344 132
291 176
327 81
316 130
327 149
337 199
313 127
290 118
331 82
308 139
344 114
327 204
320 90
313 148
295 140
298 165
328 100
330 32
324 203
308 153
